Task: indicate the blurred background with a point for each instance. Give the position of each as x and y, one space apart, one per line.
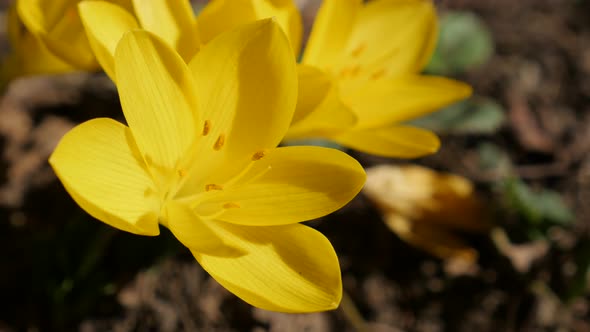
512 252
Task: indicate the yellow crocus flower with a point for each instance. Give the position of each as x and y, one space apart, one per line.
360 74
83 34
200 157
174 21
28 56
58 25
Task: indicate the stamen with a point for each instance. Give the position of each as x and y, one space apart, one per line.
258 155
219 142
231 205
213 186
378 74
358 50
206 127
350 71
181 173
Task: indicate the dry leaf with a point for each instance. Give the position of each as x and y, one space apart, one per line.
522 256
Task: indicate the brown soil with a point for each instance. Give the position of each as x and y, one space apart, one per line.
62 270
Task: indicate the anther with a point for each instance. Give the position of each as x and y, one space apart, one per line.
258 155
350 71
206 127
378 74
219 142
358 50
231 205
213 186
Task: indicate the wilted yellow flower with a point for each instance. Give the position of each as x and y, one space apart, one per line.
360 74
426 208
58 25
200 157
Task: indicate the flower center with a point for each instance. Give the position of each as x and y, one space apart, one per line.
189 187
359 64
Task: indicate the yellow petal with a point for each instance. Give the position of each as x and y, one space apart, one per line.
290 268
68 41
313 87
173 21
247 84
104 37
219 16
433 239
195 233
392 37
330 32
286 14
100 166
40 16
247 88
395 142
158 99
320 111
380 102
289 185
28 56
126 4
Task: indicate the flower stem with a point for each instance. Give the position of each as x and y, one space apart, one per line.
352 313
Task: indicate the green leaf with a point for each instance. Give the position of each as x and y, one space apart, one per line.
493 158
464 43
578 285
541 208
477 115
314 142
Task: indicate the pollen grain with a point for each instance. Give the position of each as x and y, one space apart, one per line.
350 71
231 205
378 74
258 155
356 52
206 127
